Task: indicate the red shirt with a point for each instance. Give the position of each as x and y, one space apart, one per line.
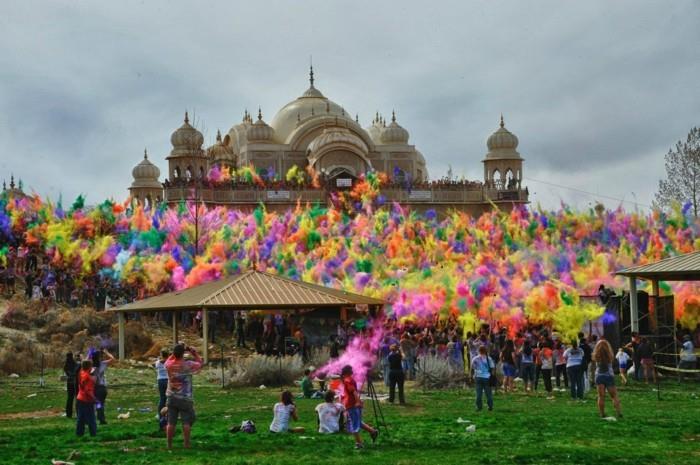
86 387
351 398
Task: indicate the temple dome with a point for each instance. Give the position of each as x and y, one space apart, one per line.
146 174
394 133
375 130
186 137
260 131
312 103
219 151
502 144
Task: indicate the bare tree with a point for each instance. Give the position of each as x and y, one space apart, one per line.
682 183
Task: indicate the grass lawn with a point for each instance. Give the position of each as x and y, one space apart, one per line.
521 429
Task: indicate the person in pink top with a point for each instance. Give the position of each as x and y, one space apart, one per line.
180 402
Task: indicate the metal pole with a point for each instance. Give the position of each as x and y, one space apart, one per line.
121 335
41 377
222 366
205 335
634 307
175 317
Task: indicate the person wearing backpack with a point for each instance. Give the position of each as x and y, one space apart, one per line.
482 369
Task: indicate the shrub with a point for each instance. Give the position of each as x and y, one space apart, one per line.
257 369
435 372
19 355
16 316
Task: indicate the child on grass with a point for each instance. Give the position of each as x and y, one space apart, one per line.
329 414
622 361
284 411
353 407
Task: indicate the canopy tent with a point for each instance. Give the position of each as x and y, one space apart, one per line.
252 290
680 268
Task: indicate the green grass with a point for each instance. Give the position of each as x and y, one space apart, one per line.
521 430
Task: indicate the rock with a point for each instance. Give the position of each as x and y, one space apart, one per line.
14 375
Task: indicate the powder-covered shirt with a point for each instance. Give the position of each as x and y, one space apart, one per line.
86 387
482 366
574 357
350 397
101 374
282 414
161 371
546 359
329 417
180 373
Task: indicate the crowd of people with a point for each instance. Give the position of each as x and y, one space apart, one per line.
27 271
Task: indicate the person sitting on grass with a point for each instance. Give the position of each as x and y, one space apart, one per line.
179 392
283 411
329 414
85 401
353 406
307 386
605 377
622 361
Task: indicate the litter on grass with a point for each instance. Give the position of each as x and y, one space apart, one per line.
610 419
471 428
462 420
31 395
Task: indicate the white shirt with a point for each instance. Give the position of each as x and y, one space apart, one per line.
329 417
622 358
280 422
161 371
688 352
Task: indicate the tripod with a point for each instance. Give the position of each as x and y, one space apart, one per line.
376 407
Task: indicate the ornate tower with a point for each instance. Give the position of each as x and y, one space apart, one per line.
503 165
187 160
146 189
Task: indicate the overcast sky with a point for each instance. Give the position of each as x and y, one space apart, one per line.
596 91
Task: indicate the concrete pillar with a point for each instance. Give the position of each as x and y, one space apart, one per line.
634 307
175 316
122 322
205 335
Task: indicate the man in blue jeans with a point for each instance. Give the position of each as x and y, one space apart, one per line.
482 367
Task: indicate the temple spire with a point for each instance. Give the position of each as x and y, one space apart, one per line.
12 181
311 74
393 116
259 114
145 154
187 117
218 135
502 123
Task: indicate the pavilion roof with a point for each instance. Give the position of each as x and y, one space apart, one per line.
684 267
252 290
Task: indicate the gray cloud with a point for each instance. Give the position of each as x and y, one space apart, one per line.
596 91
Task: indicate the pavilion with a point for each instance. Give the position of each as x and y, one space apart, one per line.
251 290
680 268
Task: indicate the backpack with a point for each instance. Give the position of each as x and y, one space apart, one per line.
248 426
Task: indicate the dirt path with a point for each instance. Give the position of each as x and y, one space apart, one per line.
35 414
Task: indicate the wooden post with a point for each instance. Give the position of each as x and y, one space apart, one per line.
175 315
205 335
634 307
655 287
121 334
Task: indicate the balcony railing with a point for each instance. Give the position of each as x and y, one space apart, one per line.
434 195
